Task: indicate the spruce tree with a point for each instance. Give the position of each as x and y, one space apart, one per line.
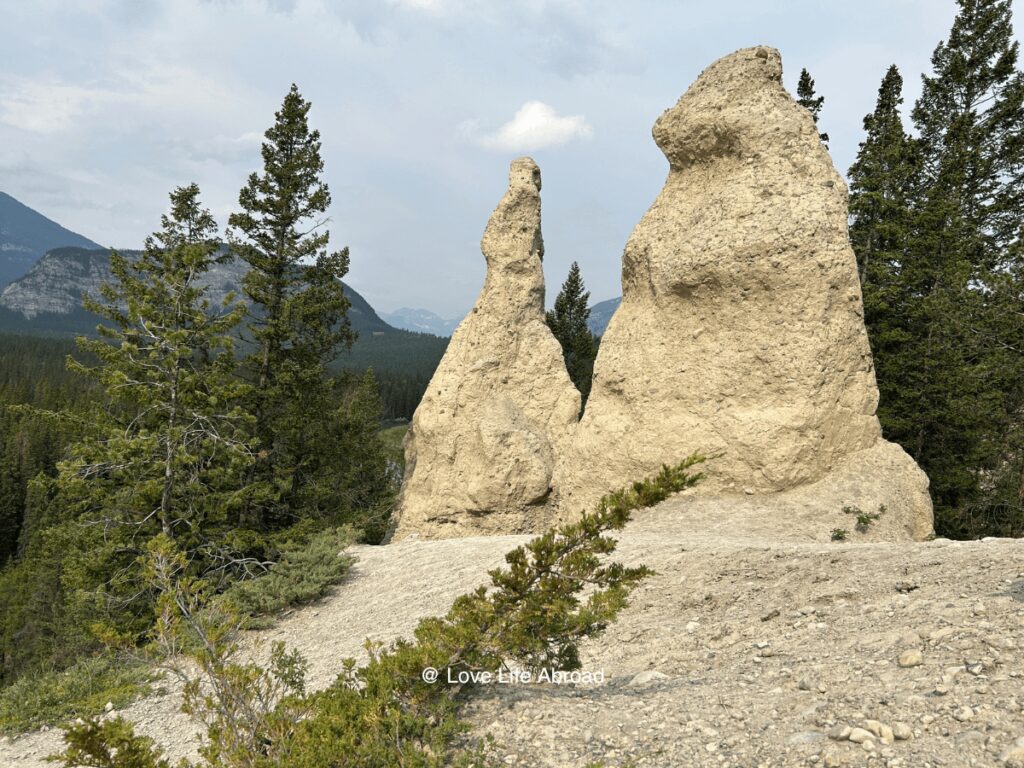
568 323
806 98
166 450
298 319
883 190
12 501
951 351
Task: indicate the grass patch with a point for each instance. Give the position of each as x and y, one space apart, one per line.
82 690
304 573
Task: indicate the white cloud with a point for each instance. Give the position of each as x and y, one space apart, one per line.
535 126
46 107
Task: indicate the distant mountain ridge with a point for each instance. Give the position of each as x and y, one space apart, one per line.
421 321
48 298
26 235
425 321
601 314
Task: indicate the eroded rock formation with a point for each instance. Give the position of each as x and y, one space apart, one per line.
740 335
483 443
741 328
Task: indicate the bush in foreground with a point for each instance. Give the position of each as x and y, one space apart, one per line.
556 591
83 689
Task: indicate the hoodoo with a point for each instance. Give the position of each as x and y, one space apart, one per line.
741 329
483 443
740 335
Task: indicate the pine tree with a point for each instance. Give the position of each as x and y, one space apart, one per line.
883 191
298 320
361 489
806 98
951 357
166 451
12 501
568 323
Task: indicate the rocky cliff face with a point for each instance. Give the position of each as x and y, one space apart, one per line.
57 282
483 443
740 335
25 235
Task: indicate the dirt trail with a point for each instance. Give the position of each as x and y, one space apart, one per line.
749 647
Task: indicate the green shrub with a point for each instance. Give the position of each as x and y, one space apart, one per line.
81 690
556 591
839 534
864 519
307 570
111 744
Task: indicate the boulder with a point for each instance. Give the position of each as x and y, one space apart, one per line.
741 331
482 446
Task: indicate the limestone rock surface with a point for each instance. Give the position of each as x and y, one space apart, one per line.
482 446
741 330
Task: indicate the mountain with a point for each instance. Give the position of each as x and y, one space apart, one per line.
600 315
48 298
26 235
421 321
425 321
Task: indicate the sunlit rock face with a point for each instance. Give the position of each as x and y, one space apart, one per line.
741 330
482 447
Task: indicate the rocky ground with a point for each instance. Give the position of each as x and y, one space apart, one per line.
755 647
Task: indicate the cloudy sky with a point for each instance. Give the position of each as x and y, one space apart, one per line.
106 105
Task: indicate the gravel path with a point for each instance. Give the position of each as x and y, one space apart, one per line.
750 647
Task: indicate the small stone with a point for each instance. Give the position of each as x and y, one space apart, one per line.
901 731
874 726
911 658
859 735
692 626
839 732
887 735
963 714
108 707
649 676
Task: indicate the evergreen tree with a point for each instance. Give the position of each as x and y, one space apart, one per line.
298 319
568 323
12 501
968 260
944 282
167 450
883 191
362 487
806 98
